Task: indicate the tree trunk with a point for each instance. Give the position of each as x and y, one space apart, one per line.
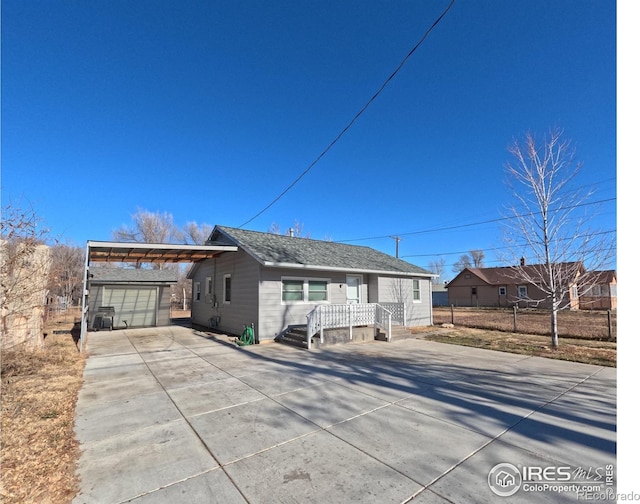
554 326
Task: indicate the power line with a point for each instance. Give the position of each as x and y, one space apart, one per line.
355 118
471 224
511 247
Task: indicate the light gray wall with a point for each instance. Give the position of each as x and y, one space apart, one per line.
276 315
243 309
400 290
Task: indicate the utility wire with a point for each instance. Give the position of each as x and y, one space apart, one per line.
355 118
471 224
511 247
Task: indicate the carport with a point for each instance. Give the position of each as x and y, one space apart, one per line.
140 253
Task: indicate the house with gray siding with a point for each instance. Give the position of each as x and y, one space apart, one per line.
275 281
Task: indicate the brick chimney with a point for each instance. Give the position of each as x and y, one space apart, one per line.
522 261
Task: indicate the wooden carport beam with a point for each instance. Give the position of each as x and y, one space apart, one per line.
154 252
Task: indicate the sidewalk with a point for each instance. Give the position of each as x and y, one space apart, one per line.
171 415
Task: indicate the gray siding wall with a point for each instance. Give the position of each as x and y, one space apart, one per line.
163 307
243 308
276 315
400 290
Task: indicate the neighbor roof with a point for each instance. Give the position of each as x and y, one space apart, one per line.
293 252
502 275
125 275
600 277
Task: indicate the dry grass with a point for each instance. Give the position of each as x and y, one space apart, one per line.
601 353
39 451
573 324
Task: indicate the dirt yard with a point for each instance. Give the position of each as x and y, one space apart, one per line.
39 451
571 324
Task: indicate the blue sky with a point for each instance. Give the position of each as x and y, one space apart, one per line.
209 110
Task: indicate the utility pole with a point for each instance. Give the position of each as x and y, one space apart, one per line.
397 239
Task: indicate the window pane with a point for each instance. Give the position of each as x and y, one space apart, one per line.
292 290
318 291
292 296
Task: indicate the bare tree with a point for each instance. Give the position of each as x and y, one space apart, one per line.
67 272
477 256
196 234
462 263
149 227
24 268
549 222
296 230
475 259
438 266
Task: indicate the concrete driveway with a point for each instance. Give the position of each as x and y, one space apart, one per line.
172 415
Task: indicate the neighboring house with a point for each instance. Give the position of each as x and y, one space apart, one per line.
598 290
440 295
508 286
139 297
274 281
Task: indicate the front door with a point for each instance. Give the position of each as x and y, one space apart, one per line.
354 289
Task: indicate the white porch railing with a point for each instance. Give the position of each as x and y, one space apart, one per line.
333 316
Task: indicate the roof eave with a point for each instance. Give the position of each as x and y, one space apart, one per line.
296 266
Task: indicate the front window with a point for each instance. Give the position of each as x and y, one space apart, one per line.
522 291
196 291
304 290
416 291
502 291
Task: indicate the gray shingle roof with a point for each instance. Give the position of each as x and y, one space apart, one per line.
286 251
125 275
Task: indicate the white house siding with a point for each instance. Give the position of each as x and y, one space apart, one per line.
400 290
243 308
275 315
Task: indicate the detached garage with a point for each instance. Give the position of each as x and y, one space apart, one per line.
122 298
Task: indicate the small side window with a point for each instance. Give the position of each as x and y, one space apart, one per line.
196 291
417 295
502 291
227 289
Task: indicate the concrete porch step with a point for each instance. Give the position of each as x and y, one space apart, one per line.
397 333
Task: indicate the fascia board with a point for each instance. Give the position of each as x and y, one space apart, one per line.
346 270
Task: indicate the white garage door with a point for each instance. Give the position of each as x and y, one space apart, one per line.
135 306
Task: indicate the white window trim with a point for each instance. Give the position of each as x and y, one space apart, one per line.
224 288
209 286
526 292
196 291
502 291
305 290
413 290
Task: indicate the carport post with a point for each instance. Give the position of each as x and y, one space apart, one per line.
85 296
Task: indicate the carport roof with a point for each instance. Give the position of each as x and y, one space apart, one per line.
99 251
